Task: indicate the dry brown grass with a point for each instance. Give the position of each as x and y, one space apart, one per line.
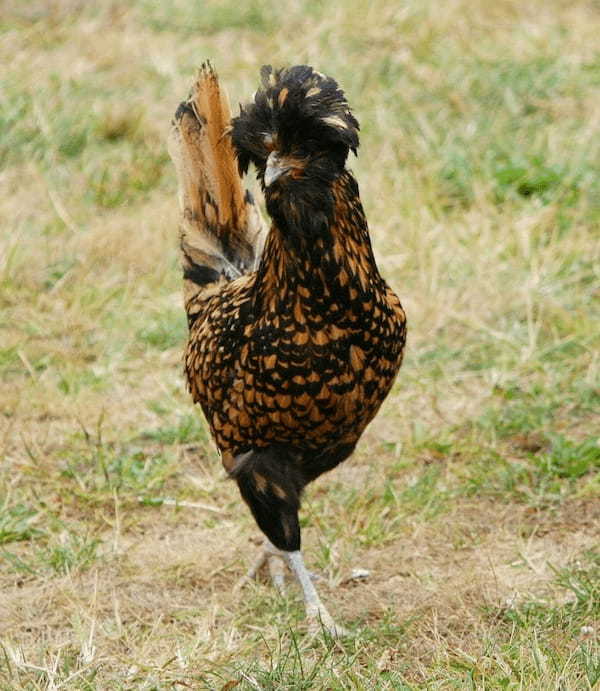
474 496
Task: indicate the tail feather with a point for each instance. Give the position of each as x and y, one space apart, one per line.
221 231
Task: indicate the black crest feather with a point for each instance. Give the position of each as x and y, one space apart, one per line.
300 107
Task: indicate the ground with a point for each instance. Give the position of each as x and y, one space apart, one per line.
473 499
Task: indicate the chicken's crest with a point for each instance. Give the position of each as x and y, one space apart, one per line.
296 111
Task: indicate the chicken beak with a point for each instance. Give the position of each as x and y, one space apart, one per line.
275 169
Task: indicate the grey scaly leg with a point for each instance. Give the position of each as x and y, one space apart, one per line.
316 612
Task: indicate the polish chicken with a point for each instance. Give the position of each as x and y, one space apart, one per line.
294 337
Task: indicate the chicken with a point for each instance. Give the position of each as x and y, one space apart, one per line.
294 337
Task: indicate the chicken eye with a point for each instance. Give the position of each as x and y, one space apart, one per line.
269 141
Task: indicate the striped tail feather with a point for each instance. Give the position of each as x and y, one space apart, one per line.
222 233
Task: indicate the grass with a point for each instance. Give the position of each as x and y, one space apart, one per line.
474 497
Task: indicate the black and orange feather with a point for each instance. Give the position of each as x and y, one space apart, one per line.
292 346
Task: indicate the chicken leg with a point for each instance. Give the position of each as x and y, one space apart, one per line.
271 482
271 556
316 612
